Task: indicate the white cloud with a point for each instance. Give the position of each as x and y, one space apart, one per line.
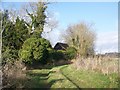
107 42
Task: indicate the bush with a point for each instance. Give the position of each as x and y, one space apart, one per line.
34 50
56 54
70 53
9 55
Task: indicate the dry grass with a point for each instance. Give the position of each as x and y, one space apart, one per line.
105 65
14 75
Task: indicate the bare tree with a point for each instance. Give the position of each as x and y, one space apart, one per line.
21 12
51 21
81 37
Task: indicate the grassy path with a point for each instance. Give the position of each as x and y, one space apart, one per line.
67 77
89 79
48 78
38 79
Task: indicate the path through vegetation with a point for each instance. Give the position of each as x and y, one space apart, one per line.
67 77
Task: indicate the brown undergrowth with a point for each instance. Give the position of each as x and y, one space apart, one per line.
105 65
14 75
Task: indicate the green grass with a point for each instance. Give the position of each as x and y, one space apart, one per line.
57 80
89 79
37 79
48 78
68 77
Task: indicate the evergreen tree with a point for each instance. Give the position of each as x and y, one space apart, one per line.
8 51
13 36
21 32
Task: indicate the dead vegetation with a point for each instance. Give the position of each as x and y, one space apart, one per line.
105 65
14 75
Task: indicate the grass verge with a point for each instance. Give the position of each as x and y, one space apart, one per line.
90 79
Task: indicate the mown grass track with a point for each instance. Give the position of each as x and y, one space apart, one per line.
68 77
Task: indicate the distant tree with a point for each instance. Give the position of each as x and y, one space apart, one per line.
81 37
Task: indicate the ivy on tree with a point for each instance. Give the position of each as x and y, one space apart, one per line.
37 20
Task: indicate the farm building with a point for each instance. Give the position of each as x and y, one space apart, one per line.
60 46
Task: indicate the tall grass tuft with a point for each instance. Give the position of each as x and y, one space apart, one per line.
105 65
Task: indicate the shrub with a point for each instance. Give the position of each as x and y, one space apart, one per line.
70 53
34 50
9 55
56 54
14 75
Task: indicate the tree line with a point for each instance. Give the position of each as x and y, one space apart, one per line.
22 40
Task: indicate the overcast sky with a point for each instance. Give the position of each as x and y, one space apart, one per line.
103 16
